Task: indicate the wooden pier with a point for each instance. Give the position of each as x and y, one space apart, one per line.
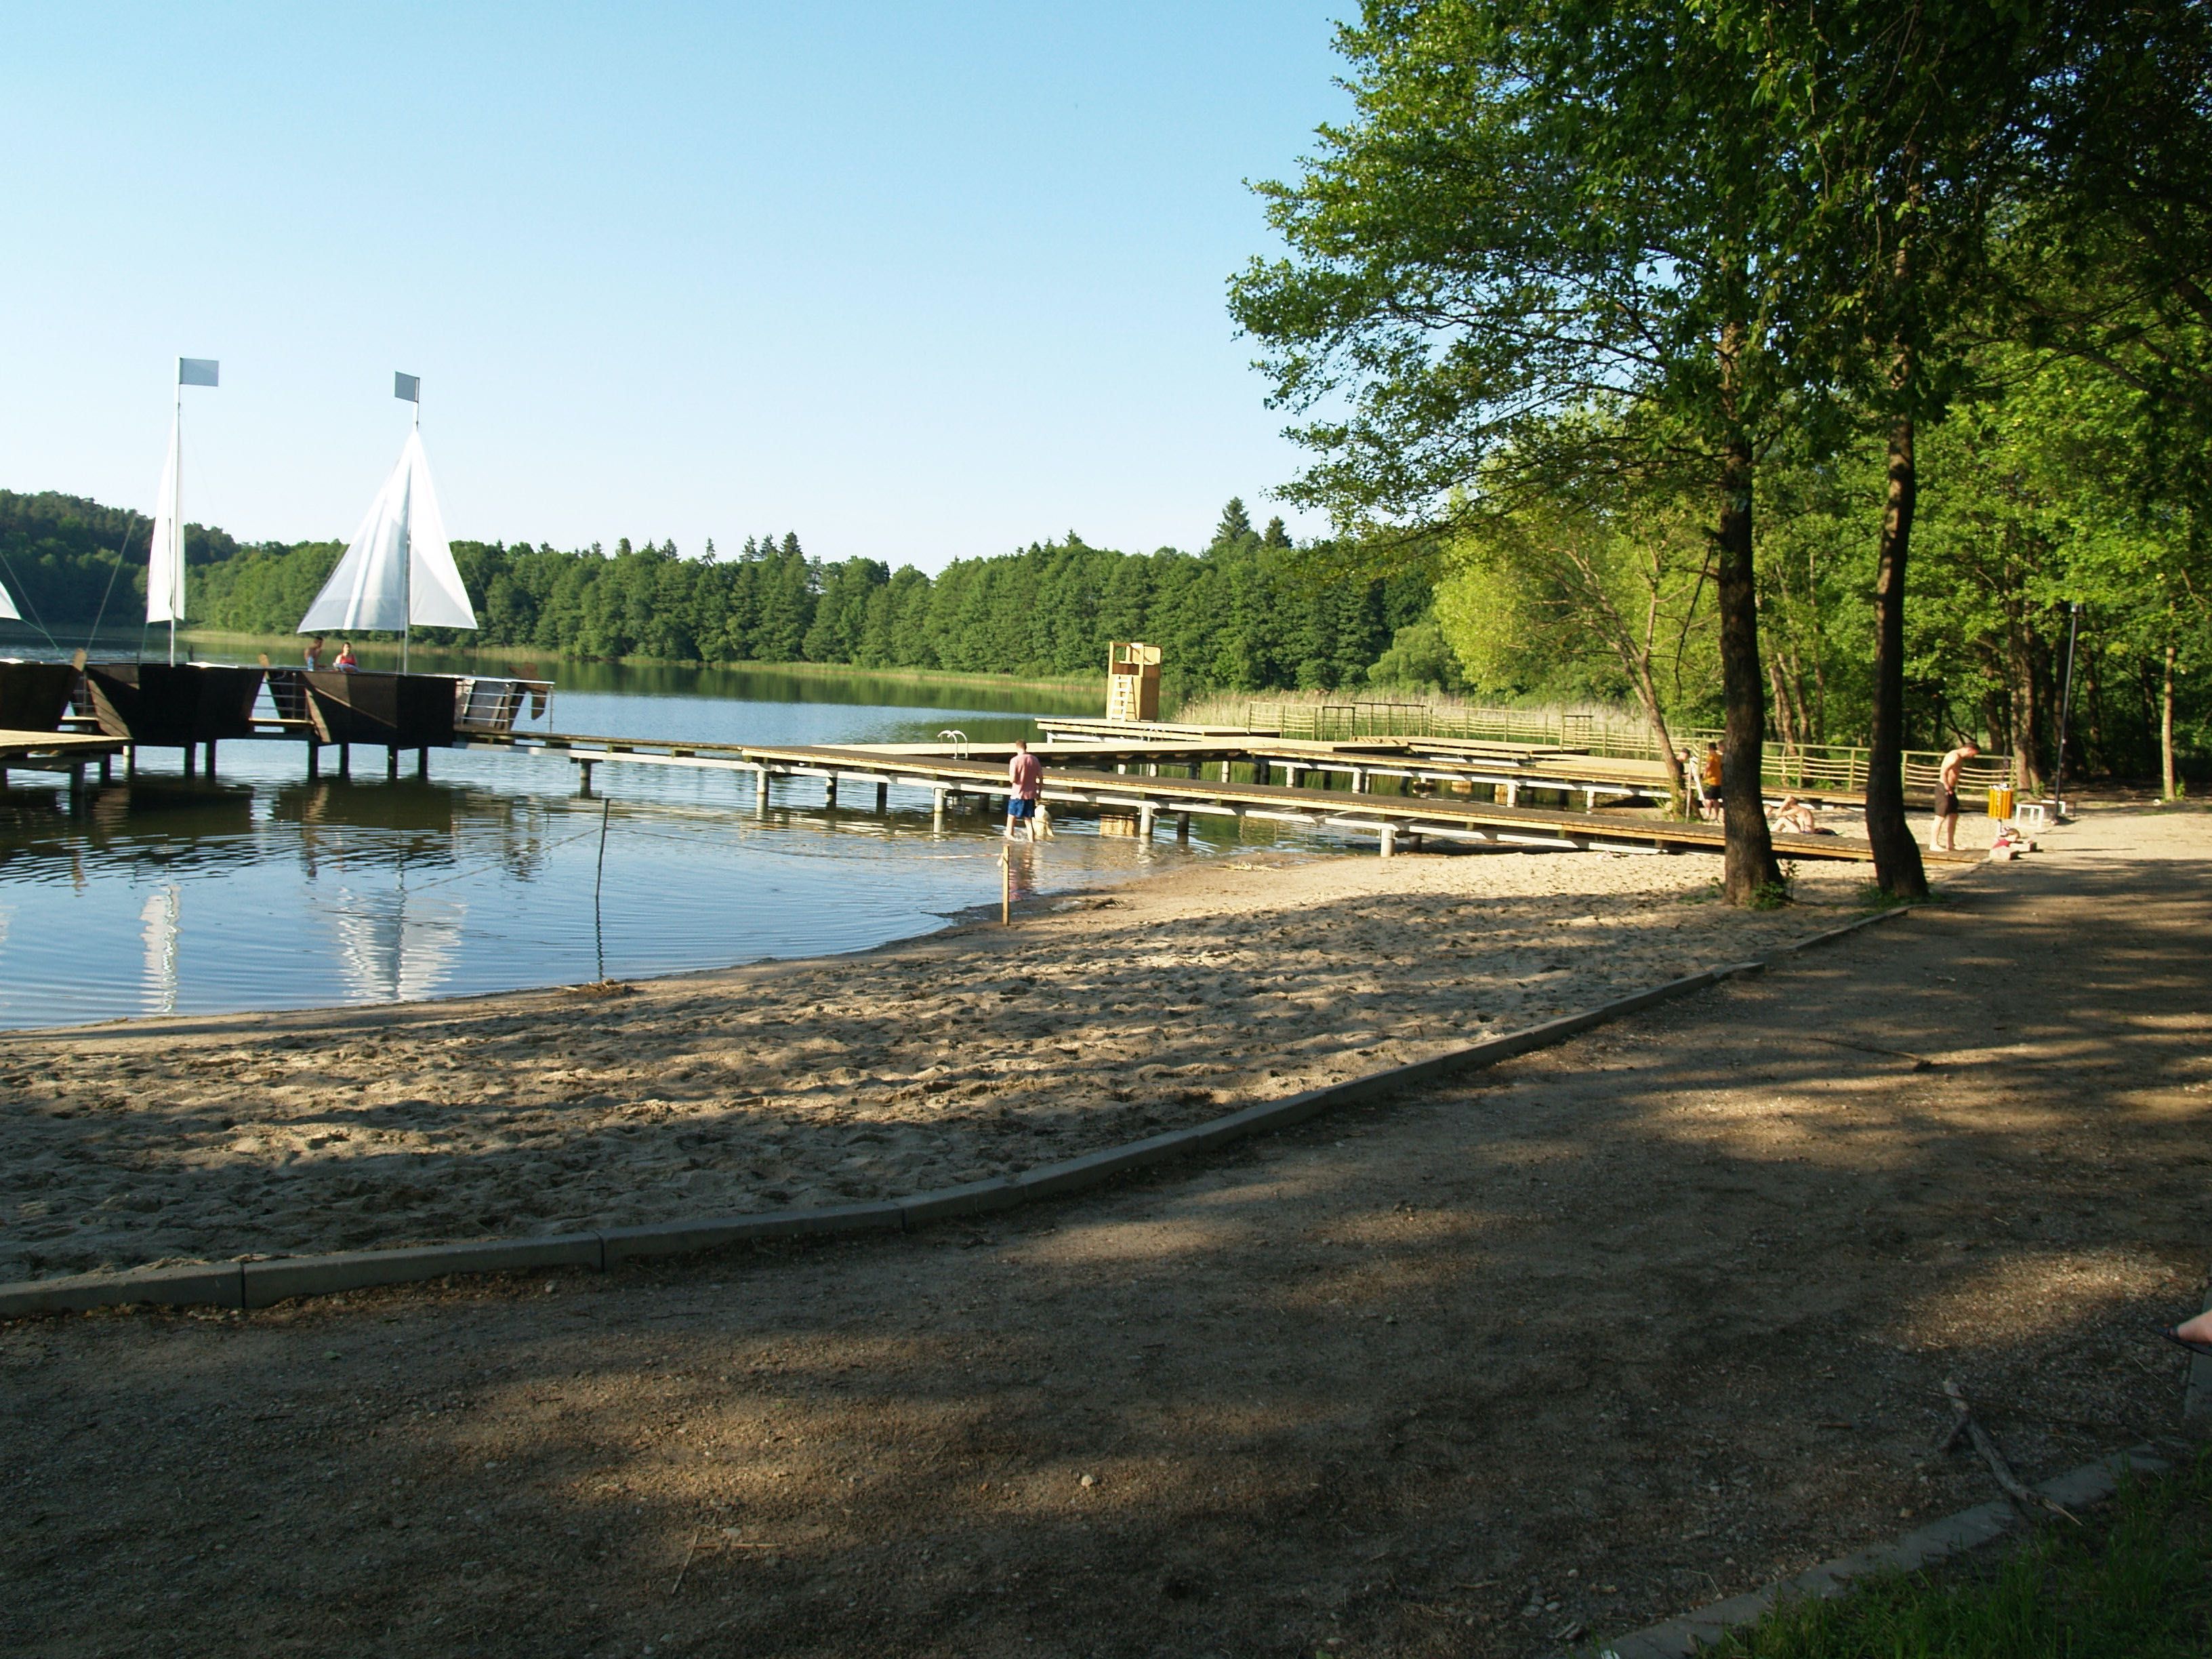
1079 775
66 752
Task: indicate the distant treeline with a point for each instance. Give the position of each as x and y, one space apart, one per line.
1248 613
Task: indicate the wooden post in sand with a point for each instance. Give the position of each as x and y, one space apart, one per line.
1390 840
1006 885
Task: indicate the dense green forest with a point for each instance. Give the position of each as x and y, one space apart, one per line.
1251 612
2010 533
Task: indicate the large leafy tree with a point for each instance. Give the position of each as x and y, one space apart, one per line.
1542 213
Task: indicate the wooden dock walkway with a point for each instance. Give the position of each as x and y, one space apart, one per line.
1510 767
980 771
67 752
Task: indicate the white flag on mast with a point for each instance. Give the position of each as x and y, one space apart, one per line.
8 611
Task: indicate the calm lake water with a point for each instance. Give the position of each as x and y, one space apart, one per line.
259 889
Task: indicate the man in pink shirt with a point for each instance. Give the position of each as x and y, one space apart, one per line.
1025 772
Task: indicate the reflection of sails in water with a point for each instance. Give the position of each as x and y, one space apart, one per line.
397 947
160 917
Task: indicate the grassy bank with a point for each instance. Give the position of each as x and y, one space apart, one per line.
285 648
2134 1583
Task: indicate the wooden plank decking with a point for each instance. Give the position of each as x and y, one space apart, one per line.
1149 799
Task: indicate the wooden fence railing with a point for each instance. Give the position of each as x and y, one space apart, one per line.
1797 766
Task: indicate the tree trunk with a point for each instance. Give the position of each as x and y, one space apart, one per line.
1750 872
1785 716
1647 693
1897 866
2165 730
2025 676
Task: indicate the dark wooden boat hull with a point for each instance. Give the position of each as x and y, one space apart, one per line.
398 711
172 703
34 695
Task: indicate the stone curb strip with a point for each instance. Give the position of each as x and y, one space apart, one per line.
262 1282
1969 1530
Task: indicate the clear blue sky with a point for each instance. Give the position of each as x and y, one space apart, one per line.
918 282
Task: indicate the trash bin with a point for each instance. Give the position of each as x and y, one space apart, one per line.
2000 801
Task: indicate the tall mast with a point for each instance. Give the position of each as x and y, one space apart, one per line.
413 384
164 565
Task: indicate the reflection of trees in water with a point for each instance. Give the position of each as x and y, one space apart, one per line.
415 827
139 829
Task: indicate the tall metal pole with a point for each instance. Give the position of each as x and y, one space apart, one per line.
2065 705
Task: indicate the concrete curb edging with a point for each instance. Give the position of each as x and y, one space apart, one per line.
262 1282
1954 1536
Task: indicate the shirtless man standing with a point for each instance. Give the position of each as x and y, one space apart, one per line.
1944 834
1025 776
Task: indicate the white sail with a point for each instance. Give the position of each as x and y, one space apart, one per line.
398 570
165 562
8 611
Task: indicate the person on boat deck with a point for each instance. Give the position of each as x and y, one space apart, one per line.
314 654
347 661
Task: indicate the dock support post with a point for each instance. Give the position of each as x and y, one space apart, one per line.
1182 826
1512 793
421 762
191 759
1390 840
1146 815
1359 781
583 775
211 763
76 789
391 763
345 760
937 808
314 759
830 793
4 777
105 775
883 798
130 764
760 788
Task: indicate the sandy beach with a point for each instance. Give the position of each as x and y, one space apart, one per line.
967 1054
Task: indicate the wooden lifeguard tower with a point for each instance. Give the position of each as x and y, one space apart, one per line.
1132 681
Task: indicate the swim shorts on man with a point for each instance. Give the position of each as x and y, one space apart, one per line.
1018 808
